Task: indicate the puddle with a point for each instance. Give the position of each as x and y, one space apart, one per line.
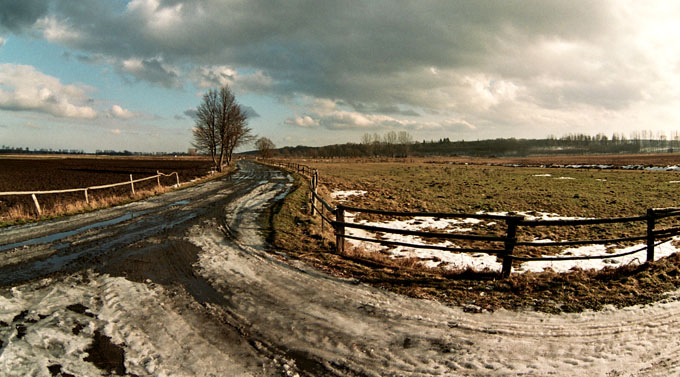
58 236
180 203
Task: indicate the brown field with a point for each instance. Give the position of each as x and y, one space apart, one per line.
57 172
617 160
427 185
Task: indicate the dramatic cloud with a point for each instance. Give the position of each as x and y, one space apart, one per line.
17 15
514 66
22 88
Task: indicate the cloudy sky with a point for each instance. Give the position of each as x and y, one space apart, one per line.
114 74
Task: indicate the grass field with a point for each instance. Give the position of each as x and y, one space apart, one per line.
441 187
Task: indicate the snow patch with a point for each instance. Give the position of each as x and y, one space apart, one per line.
482 261
660 251
344 195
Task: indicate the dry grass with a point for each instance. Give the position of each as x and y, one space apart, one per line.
297 234
22 214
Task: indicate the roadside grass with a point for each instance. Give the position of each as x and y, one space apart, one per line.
402 187
21 214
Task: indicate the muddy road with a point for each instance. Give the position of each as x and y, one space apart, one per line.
183 284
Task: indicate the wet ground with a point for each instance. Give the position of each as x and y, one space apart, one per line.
184 284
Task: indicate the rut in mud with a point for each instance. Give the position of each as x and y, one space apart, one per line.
191 289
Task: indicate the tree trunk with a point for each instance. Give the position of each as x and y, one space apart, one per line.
219 167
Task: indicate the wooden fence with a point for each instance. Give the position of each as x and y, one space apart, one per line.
501 245
86 190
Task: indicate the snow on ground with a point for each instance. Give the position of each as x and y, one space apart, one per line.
534 215
52 323
481 261
652 168
344 195
660 251
542 175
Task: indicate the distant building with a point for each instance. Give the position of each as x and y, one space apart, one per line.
192 152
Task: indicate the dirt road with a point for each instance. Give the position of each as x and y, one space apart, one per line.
183 285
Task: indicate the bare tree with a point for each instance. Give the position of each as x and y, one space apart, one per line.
205 132
221 126
390 143
405 140
265 147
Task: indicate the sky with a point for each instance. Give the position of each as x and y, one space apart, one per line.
114 74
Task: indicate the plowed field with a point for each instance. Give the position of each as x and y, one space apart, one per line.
20 174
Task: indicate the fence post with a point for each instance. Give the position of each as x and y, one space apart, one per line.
322 220
37 205
313 195
87 200
177 176
132 185
158 178
340 230
650 235
510 244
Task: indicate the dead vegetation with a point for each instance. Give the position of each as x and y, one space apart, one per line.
65 205
294 232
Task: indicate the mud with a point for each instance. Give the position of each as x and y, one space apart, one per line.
191 288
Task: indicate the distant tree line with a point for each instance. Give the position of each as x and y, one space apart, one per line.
393 144
6 149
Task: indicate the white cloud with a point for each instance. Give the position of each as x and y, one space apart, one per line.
302 121
221 75
454 123
55 30
120 113
23 88
508 68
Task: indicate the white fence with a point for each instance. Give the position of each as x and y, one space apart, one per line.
85 190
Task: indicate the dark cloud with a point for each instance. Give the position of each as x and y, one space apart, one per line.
151 70
325 48
17 15
190 113
250 112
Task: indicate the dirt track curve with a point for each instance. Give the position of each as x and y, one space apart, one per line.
183 285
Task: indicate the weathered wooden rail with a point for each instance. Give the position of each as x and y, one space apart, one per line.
86 190
503 246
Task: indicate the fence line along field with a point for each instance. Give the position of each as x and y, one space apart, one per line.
44 174
573 197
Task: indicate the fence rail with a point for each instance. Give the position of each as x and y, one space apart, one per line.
85 190
653 237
